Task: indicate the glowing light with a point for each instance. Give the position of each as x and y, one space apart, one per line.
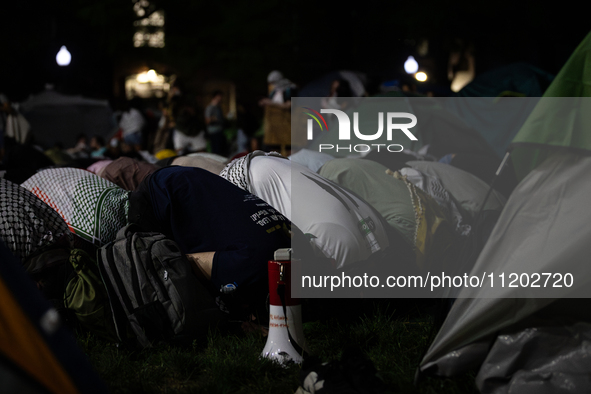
411 66
150 76
421 76
143 77
146 84
63 57
156 40
461 79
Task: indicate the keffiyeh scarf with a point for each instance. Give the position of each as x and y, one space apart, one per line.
94 208
237 170
27 224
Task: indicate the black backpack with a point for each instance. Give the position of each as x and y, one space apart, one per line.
153 290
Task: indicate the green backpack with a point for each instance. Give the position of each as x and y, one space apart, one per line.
86 297
70 280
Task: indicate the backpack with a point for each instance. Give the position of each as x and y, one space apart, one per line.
153 290
70 280
86 298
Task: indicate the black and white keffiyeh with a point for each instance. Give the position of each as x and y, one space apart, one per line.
237 170
93 208
27 224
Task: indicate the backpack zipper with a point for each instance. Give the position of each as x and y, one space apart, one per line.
135 285
154 272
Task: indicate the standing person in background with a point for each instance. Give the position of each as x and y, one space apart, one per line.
154 120
277 121
214 123
16 126
132 123
281 90
164 138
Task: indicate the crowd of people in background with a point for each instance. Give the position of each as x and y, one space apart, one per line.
235 167
154 129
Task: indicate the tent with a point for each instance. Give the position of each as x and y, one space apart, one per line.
321 86
498 102
315 91
37 355
55 117
527 340
521 79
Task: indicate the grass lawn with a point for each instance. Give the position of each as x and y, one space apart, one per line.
393 333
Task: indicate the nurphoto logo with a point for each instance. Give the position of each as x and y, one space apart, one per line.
345 129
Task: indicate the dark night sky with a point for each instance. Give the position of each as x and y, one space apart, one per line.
243 41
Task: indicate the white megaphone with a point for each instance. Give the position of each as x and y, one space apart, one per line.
279 346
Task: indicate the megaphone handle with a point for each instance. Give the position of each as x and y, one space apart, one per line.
281 274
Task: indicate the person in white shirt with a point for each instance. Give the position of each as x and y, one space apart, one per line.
341 225
132 123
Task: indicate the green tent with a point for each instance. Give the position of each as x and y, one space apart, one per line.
522 344
517 79
559 120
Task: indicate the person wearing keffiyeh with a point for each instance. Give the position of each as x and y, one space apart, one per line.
29 226
93 208
331 217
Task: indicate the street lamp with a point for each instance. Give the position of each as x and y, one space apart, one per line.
63 57
411 66
421 76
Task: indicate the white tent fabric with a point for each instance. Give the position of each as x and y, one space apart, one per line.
356 80
557 359
55 117
53 98
543 228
